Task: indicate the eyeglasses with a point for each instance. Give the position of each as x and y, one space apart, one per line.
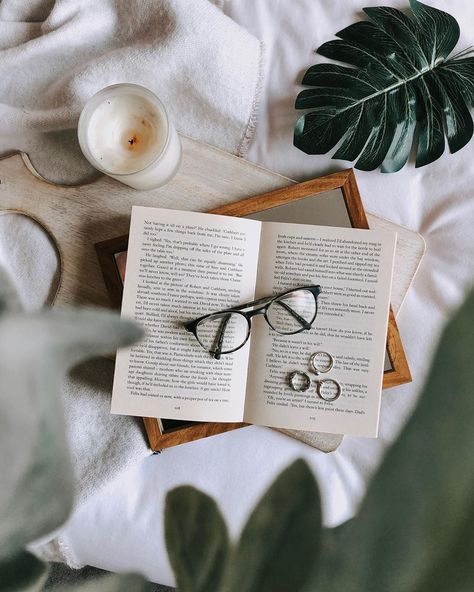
228 330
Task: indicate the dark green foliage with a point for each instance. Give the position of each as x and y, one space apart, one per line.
276 548
112 583
414 531
22 572
281 538
36 482
415 528
401 79
196 539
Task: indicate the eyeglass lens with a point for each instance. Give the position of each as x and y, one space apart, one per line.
225 332
292 312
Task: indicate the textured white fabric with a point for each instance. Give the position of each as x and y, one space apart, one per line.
55 55
30 256
122 527
101 445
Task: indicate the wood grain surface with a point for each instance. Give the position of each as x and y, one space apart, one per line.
80 216
209 179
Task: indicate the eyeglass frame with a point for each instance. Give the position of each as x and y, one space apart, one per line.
192 326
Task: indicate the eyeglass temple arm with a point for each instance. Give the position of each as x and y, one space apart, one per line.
253 303
187 326
294 314
225 321
300 319
220 337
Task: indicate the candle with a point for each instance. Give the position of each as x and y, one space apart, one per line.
124 131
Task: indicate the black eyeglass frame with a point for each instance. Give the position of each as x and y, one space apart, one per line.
192 326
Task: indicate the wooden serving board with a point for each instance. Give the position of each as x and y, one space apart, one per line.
80 216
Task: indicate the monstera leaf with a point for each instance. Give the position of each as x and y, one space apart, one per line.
401 78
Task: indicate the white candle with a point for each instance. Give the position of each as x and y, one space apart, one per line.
124 132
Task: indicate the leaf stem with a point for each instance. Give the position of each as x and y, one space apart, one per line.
463 53
386 90
406 81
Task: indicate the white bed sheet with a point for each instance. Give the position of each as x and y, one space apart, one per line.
121 528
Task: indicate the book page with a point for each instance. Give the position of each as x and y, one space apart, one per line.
181 266
354 269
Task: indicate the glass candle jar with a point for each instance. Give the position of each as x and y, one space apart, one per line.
125 132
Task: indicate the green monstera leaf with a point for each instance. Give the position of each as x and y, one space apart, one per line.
401 78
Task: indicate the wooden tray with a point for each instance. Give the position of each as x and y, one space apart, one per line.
80 216
112 256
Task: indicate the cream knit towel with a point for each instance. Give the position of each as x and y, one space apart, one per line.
54 55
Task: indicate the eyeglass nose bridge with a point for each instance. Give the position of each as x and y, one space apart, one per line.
254 313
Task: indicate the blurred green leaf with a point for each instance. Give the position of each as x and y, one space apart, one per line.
415 529
196 540
328 559
400 75
280 541
22 573
36 349
113 583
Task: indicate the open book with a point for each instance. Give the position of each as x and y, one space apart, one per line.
183 265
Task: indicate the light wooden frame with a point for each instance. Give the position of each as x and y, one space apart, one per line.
343 180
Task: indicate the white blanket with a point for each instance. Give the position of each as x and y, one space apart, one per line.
204 67
121 528
54 55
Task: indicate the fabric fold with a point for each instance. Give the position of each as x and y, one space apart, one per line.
205 68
